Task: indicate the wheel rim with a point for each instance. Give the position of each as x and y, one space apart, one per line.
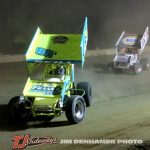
139 69
79 109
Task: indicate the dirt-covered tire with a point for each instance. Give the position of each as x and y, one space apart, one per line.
117 70
137 68
75 109
17 112
111 66
145 63
88 92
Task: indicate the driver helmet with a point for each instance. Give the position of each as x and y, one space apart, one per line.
60 70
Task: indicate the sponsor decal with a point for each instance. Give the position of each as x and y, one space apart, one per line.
129 40
45 52
22 141
41 88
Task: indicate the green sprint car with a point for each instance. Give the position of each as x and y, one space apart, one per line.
50 89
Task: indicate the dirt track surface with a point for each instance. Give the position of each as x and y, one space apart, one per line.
120 110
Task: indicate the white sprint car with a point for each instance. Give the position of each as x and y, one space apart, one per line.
129 48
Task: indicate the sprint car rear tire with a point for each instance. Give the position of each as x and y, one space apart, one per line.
17 112
137 68
88 92
75 109
112 68
117 70
145 63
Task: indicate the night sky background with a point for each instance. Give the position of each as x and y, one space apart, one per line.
19 20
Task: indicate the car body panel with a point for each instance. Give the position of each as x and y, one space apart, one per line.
71 51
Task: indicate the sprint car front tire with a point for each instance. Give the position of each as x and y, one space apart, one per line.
88 92
137 68
17 111
75 109
111 66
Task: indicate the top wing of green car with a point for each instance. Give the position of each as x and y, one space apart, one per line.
58 48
